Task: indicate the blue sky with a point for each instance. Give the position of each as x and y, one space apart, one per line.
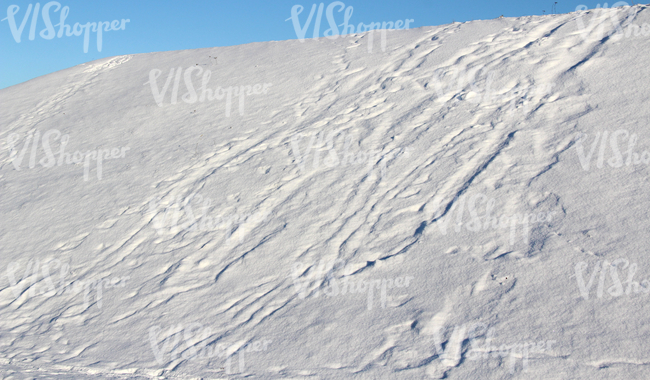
169 25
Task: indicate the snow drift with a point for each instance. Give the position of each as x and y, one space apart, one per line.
466 201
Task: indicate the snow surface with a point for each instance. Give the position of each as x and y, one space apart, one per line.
224 250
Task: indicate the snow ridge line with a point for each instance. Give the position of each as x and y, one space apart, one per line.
100 373
476 173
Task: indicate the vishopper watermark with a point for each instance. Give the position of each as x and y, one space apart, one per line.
196 338
206 93
520 349
49 32
174 212
480 340
617 32
616 160
610 268
347 28
477 87
305 283
331 159
34 289
49 160
488 220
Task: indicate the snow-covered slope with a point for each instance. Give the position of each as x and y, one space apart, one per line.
211 241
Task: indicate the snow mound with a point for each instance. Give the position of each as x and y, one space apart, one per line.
459 201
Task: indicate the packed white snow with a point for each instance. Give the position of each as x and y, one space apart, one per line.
466 201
